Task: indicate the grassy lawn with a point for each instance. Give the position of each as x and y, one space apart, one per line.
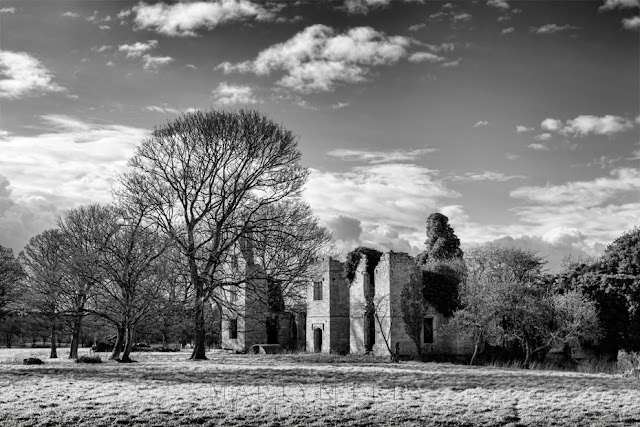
167 389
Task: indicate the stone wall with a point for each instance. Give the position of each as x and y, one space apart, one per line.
331 314
359 288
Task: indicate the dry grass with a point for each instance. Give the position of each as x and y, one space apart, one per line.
241 390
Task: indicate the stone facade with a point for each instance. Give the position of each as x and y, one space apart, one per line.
327 328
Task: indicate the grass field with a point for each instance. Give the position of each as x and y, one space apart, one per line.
242 390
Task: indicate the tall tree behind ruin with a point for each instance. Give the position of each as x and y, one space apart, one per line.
442 242
204 177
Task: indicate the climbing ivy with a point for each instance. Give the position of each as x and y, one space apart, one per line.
353 258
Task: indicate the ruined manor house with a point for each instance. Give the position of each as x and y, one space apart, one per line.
335 320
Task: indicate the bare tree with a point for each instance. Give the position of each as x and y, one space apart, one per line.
78 226
204 177
10 276
129 255
44 261
414 309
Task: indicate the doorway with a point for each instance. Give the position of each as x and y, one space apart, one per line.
317 340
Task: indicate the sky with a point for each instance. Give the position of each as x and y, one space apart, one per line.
518 120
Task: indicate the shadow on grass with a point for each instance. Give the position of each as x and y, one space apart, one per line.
263 372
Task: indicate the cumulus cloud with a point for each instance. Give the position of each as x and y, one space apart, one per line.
185 19
538 147
344 228
425 57
71 15
498 4
138 49
552 125
632 24
523 129
608 125
390 200
227 94
23 75
584 193
363 7
553 28
101 49
8 10
377 157
481 123
618 4
86 157
317 58
543 137
508 30
153 63
339 105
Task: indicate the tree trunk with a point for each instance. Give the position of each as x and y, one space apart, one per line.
54 350
128 344
527 359
75 338
475 353
199 349
117 348
8 338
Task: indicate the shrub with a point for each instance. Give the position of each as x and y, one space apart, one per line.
89 359
629 363
32 361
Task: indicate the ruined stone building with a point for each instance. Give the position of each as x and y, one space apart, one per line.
336 311
248 313
336 319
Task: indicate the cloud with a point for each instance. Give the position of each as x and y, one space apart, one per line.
377 157
552 125
340 105
71 15
538 147
584 193
185 19
101 49
425 57
317 58
523 129
553 28
390 200
86 158
481 123
417 27
227 94
23 75
344 228
632 23
486 176
507 30
462 18
452 64
137 49
164 110
498 4
363 7
592 125
543 137
152 63
618 4
511 156
8 10
104 27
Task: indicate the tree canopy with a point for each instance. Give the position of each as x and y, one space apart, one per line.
442 242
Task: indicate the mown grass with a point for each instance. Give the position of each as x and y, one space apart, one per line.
281 390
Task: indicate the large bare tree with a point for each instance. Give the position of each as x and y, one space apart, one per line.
204 177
